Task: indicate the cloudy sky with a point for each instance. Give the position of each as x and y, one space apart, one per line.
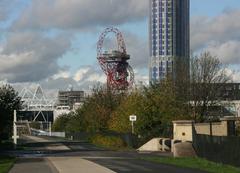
53 42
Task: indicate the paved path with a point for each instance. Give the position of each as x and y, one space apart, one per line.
36 139
58 146
57 165
33 165
82 157
77 165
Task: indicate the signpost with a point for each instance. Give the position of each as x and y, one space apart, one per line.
133 118
15 136
50 129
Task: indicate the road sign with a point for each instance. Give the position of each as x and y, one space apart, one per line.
133 118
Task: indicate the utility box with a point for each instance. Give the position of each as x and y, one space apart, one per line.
182 130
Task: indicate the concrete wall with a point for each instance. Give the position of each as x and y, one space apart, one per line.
157 144
183 149
152 145
57 134
218 129
182 130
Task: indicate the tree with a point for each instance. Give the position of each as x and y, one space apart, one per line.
161 107
131 104
97 109
71 122
76 122
61 122
9 101
156 107
94 115
208 76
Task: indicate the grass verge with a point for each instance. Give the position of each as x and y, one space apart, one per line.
195 163
6 163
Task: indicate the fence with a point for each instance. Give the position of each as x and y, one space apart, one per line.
218 149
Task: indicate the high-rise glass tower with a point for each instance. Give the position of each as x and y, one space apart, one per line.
169 37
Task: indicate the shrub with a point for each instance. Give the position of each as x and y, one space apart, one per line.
9 101
61 122
108 141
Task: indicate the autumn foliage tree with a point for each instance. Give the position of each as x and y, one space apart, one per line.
98 108
132 104
156 107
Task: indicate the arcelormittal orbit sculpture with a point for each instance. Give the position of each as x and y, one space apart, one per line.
114 63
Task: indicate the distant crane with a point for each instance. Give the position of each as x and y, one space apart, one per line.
120 75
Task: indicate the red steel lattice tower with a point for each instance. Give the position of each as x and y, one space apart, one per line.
114 63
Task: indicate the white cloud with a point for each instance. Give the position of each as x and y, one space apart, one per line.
220 35
79 14
227 52
234 74
80 74
97 78
90 74
61 74
29 56
10 61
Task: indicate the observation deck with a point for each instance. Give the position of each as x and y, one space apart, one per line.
115 56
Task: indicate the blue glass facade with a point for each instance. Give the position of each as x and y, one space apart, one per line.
169 36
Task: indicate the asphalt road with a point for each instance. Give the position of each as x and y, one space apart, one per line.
71 157
140 166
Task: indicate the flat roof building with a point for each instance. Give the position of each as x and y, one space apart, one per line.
70 98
